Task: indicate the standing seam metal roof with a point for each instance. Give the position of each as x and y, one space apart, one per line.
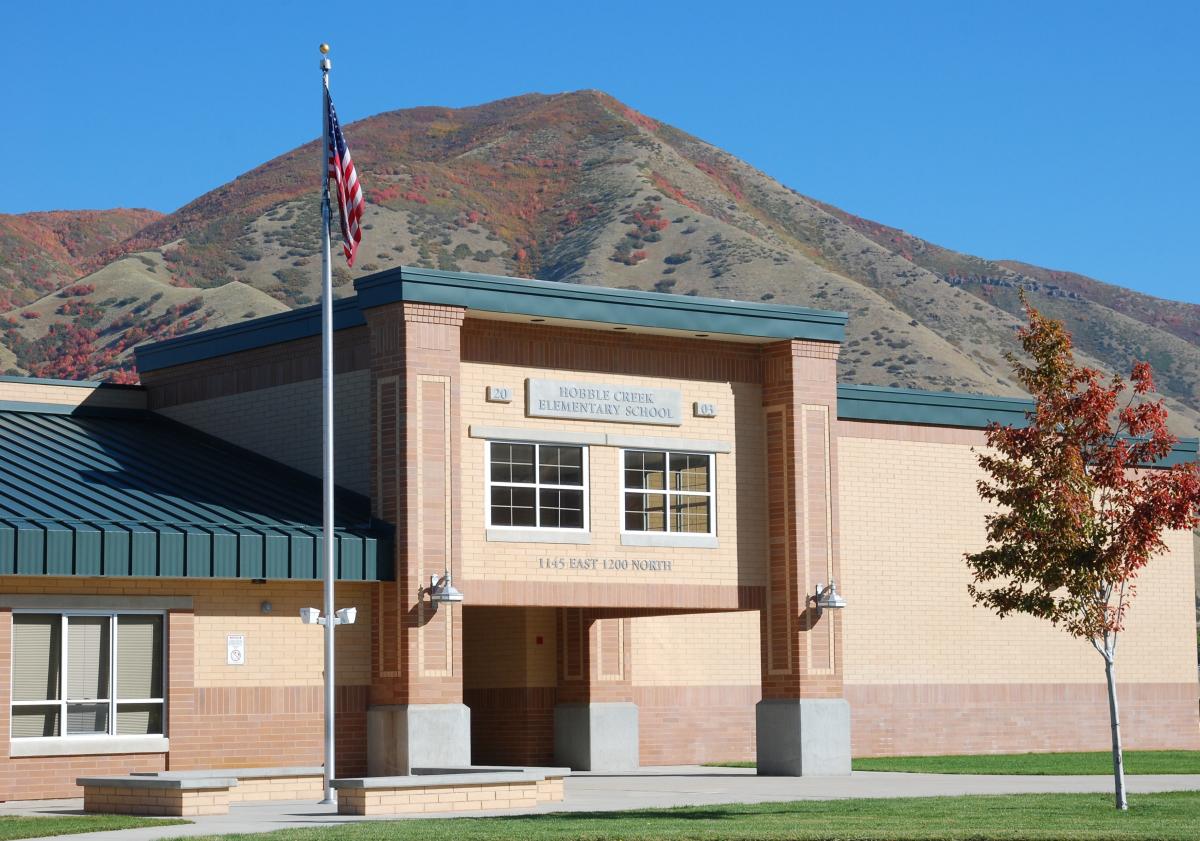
135 494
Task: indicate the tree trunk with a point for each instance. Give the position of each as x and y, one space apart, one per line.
1115 719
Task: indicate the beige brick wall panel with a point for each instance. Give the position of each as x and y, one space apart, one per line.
283 423
910 511
738 485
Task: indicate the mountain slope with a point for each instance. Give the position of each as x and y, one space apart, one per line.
580 188
40 252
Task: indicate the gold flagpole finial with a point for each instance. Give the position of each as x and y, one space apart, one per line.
324 49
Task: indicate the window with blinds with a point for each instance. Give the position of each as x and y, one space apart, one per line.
87 674
667 492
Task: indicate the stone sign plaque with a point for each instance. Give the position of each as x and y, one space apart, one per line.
603 402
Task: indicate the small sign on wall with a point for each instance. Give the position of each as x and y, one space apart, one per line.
499 394
704 410
235 650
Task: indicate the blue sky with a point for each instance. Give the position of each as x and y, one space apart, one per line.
1064 134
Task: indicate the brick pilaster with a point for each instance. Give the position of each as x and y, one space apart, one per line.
801 652
5 698
415 359
189 741
594 657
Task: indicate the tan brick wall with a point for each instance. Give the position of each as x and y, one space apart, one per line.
265 713
156 802
696 682
909 512
277 788
73 395
283 423
508 647
738 560
280 651
510 683
696 649
695 724
927 672
456 798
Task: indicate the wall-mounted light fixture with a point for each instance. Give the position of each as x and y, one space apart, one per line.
312 616
442 590
827 597
265 607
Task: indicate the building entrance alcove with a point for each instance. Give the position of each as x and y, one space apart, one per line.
510 683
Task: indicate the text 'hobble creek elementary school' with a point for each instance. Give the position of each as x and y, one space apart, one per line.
637 522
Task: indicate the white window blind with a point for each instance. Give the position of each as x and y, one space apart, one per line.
87 674
36 674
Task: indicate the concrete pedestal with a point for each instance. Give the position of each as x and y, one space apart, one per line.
407 736
803 738
596 737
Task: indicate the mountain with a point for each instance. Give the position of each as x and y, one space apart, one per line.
41 252
574 187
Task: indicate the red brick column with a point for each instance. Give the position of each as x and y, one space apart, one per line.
595 720
417 647
593 658
801 648
191 745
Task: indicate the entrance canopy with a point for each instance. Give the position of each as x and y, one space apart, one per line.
129 493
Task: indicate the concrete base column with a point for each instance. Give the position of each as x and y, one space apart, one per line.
596 737
402 737
803 737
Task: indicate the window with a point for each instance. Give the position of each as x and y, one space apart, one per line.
536 486
668 492
87 674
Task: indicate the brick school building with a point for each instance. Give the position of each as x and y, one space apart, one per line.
638 495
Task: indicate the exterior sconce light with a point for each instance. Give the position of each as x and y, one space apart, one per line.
442 590
827 597
312 616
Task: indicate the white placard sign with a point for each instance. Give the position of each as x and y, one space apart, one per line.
603 402
235 650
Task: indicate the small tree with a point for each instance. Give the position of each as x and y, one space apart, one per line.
1078 514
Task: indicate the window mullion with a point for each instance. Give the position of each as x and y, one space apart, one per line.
112 675
62 676
537 488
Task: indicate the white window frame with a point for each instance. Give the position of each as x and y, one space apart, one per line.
669 537
496 531
112 701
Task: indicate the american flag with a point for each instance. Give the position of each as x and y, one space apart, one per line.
349 191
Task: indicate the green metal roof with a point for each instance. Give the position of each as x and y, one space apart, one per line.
578 302
134 494
511 296
970 411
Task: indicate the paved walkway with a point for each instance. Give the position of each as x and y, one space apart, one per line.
686 785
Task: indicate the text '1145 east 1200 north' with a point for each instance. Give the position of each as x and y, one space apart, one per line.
566 564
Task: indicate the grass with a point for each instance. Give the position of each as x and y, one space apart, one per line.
1042 764
1046 817
1091 763
23 826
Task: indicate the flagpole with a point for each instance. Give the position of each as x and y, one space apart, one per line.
327 543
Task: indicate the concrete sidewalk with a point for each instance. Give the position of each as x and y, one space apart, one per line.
688 785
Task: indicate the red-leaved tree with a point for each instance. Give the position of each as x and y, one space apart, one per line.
1081 507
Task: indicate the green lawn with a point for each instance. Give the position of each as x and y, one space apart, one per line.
20 826
1048 817
1136 762
1098 763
